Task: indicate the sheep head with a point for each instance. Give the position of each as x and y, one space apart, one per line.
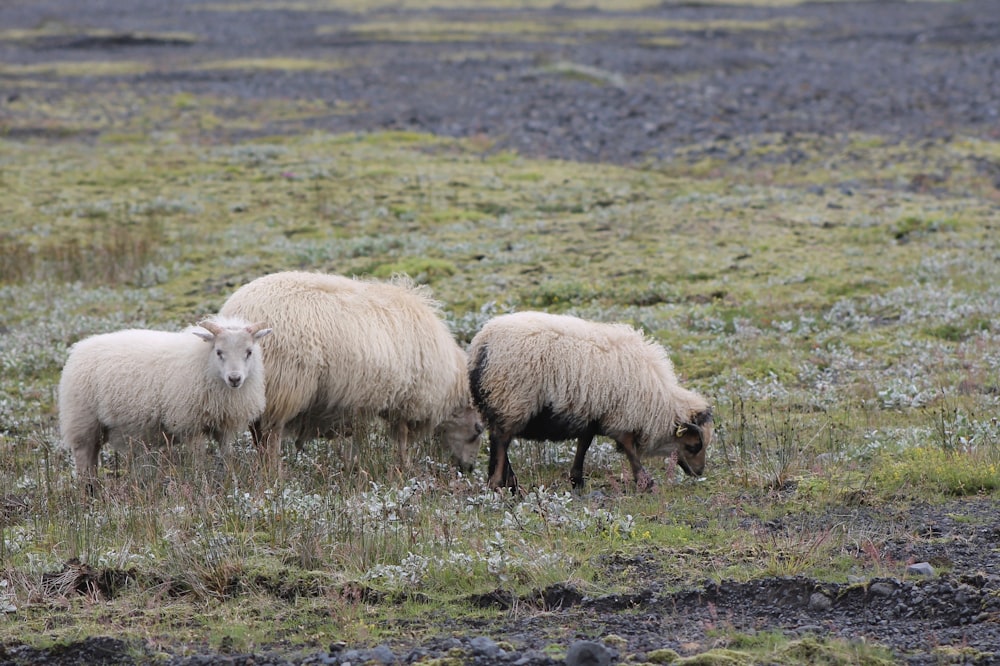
461 435
235 351
691 441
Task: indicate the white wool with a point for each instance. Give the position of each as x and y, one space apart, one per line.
589 370
346 346
142 384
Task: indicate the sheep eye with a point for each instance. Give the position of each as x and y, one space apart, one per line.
249 351
218 352
693 448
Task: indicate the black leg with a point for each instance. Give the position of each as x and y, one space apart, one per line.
643 480
576 472
500 473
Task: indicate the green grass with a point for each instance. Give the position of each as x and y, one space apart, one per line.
849 350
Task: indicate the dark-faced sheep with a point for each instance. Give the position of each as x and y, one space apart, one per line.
349 348
554 377
146 386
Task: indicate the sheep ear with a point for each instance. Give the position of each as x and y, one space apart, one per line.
692 433
687 430
207 337
258 330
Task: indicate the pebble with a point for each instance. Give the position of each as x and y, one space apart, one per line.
820 602
587 653
921 569
486 647
882 589
383 654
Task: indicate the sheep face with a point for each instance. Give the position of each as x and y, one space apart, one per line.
461 436
235 352
689 441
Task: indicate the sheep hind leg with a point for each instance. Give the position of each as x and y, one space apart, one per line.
400 433
576 471
270 450
84 437
500 473
643 479
85 458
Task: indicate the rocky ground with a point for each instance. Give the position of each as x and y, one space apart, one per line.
902 70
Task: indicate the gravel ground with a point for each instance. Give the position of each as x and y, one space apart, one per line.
898 69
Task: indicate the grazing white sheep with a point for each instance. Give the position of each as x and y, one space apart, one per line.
554 377
349 348
141 385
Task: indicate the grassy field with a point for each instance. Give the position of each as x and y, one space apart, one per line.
841 310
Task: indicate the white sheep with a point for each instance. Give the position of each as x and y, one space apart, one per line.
147 386
554 377
348 348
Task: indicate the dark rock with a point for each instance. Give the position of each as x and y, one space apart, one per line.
587 653
921 569
383 655
882 589
487 647
819 602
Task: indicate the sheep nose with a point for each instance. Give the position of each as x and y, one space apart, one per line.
235 379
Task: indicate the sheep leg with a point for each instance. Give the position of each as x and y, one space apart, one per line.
256 433
401 433
85 457
84 436
643 480
270 451
500 473
576 471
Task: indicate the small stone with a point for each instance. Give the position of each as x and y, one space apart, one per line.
484 646
856 580
920 569
882 589
587 653
383 655
820 602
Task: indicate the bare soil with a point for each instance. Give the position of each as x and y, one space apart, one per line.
907 71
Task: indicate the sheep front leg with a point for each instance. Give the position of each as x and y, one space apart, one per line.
500 473
225 439
198 446
643 480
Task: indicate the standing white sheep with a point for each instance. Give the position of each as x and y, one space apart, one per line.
555 377
147 386
349 348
